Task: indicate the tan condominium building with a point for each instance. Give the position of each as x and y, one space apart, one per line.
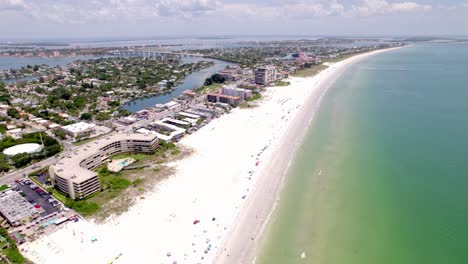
73 174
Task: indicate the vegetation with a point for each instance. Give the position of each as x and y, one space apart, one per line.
51 147
4 164
215 78
9 249
282 83
12 112
255 97
311 71
3 187
115 187
58 195
83 207
209 88
86 116
3 129
4 94
59 133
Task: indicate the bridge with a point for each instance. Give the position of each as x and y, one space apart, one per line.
153 52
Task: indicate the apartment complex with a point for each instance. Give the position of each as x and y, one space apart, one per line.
73 174
222 98
265 75
232 90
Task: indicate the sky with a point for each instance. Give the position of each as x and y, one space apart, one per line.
42 19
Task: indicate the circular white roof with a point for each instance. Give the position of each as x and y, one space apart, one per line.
23 148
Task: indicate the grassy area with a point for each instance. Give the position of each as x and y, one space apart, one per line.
58 195
118 190
137 156
84 141
282 83
209 88
11 251
114 186
255 97
3 187
83 207
309 72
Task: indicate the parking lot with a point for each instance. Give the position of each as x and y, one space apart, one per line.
43 178
38 197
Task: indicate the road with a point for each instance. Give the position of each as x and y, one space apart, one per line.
69 147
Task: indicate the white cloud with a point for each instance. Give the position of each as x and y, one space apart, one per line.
380 7
305 9
86 11
13 5
72 11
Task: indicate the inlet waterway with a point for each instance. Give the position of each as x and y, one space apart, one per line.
382 175
192 81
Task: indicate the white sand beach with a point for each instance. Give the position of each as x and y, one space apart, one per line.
230 184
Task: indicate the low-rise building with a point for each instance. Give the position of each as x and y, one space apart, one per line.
73 174
79 130
185 114
16 209
235 91
176 122
164 131
228 99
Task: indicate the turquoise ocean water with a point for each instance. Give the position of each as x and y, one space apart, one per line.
382 175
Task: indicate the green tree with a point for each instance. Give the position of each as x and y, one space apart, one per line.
13 113
21 160
60 134
86 116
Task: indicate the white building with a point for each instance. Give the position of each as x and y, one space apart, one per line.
265 75
73 174
176 122
16 209
29 148
162 84
80 129
232 90
172 132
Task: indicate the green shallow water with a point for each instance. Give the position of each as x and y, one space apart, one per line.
382 175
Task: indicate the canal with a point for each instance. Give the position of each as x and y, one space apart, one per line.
192 81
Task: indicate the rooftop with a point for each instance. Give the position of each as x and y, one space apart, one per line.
188 115
69 166
175 121
15 208
225 96
78 127
23 148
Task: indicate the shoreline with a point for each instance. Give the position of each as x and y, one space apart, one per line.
215 193
245 238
